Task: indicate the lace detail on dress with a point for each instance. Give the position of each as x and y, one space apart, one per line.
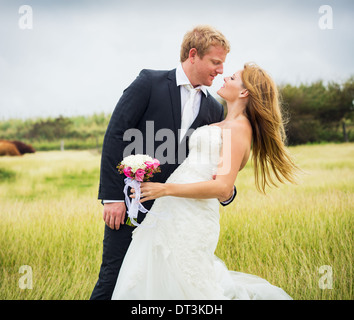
204 153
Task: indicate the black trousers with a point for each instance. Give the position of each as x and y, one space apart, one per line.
115 246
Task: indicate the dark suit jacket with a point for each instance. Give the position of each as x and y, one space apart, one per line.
152 102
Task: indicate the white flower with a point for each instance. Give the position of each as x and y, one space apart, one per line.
136 161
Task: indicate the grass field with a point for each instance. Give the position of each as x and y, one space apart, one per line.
297 237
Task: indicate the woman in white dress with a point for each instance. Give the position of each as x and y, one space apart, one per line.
171 255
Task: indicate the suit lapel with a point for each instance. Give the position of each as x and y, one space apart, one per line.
175 99
175 96
203 112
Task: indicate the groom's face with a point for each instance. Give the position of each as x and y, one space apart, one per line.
208 67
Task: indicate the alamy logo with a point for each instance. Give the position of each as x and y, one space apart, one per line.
26 19
325 281
165 152
326 20
25 281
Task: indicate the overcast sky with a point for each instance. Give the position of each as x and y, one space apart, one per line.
80 55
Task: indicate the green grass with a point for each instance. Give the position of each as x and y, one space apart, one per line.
69 144
6 175
289 234
51 220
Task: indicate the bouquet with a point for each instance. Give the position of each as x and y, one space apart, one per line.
137 168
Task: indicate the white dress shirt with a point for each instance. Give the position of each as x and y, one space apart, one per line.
182 80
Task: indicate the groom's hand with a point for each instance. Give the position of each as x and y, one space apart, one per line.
114 214
229 197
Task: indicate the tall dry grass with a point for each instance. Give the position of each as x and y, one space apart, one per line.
50 220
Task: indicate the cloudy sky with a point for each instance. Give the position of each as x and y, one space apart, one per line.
79 55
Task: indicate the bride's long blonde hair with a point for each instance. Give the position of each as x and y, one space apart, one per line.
269 154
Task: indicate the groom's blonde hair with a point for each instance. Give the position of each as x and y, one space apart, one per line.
202 37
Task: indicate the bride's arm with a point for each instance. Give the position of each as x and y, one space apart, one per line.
233 152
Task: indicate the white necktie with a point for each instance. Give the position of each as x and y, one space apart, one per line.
188 115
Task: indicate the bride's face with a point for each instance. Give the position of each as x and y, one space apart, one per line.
233 87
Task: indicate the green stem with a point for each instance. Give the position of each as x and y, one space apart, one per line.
129 222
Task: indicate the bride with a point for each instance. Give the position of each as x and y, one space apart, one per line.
173 257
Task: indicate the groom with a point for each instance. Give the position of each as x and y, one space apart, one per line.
160 98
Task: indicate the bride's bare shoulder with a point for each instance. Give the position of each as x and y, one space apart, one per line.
239 125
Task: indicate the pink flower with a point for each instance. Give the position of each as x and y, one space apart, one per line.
156 163
152 165
128 172
139 175
149 165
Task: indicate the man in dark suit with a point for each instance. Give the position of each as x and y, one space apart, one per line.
156 100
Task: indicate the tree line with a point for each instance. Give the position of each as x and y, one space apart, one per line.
318 112
314 113
78 132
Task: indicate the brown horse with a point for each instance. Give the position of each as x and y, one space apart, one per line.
8 149
21 147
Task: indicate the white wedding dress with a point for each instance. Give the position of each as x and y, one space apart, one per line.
173 257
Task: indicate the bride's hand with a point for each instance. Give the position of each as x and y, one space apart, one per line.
150 191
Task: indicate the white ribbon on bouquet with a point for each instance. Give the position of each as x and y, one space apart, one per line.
134 206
